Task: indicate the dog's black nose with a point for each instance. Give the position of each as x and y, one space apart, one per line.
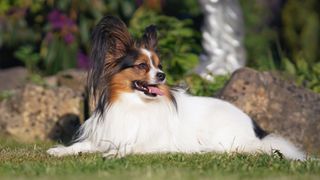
161 76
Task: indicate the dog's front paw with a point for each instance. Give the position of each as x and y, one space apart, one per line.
58 151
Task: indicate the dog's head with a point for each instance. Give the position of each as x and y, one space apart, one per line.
122 65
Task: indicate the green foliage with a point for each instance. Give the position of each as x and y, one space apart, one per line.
302 41
306 75
292 49
14 29
5 95
302 33
259 36
48 36
27 55
29 161
177 48
36 79
201 87
60 56
185 8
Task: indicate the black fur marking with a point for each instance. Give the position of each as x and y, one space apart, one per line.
259 132
174 102
172 98
128 61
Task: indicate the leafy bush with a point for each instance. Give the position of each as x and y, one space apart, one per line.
292 47
302 42
259 36
201 87
306 75
50 36
302 33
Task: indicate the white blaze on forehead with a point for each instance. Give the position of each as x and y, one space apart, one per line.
146 52
153 70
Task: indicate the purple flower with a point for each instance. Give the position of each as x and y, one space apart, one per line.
64 26
59 20
68 38
54 15
54 18
69 22
82 60
139 2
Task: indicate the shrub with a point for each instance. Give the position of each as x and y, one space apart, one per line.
50 36
291 48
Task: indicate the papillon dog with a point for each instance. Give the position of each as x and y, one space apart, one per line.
137 113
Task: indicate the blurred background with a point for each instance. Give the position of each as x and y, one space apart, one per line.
49 36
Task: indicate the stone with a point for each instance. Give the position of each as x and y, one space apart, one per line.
12 78
41 113
277 105
73 78
76 79
51 81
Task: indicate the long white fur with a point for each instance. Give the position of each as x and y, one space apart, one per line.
136 124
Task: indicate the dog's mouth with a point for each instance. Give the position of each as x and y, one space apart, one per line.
148 89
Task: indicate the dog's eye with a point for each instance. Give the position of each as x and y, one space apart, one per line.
160 66
142 66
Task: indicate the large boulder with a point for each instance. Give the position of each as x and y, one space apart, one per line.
73 78
277 105
41 113
12 78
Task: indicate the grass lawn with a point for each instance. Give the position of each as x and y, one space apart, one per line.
29 161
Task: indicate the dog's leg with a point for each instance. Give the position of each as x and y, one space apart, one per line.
79 147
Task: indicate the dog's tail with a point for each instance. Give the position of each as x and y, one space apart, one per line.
276 144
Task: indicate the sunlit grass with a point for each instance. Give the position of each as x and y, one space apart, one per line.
25 161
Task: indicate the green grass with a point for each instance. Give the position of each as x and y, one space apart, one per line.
29 161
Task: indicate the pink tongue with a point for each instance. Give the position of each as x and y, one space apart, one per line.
155 90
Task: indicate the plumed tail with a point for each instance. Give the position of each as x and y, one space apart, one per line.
274 143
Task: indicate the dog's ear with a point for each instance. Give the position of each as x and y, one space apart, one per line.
149 39
110 40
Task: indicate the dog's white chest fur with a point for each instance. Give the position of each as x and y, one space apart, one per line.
137 124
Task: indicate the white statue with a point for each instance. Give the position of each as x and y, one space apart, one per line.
222 36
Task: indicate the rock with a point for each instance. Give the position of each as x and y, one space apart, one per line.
76 79
12 78
277 106
51 81
41 113
73 78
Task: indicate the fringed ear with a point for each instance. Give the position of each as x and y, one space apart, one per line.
110 41
149 39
